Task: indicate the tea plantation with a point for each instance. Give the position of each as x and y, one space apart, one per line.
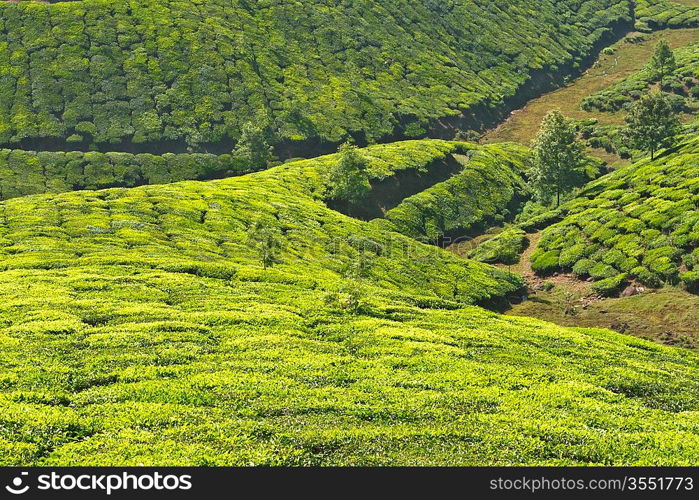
164 303
659 14
173 73
640 222
140 327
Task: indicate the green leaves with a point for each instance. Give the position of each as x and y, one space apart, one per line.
652 124
558 159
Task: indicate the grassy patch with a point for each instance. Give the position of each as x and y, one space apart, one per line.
668 316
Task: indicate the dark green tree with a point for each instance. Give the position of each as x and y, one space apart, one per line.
265 238
651 124
558 158
663 62
253 146
349 178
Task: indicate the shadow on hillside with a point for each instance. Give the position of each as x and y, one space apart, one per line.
390 192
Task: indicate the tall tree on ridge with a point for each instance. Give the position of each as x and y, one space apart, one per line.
558 158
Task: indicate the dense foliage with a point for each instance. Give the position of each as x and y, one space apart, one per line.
140 327
110 72
29 172
682 85
640 222
349 179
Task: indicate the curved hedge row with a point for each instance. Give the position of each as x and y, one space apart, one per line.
481 195
640 222
683 82
111 72
201 228
659 14
29 172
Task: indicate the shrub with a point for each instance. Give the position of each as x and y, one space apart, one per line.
582 267
690 280
505 248
545 262
610 287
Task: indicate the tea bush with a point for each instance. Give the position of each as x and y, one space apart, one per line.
504 248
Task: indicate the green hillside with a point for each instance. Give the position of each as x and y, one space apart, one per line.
658 14
683 82
139 327
640 222
170 73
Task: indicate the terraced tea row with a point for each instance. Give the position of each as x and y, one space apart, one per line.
657 14
24 173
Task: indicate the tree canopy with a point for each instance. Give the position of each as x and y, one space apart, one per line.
663 62
349 178
652 124
558 158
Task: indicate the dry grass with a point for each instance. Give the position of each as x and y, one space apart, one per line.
627 59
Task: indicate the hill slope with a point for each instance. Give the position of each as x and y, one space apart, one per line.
682 82
139 327
173 73
639 222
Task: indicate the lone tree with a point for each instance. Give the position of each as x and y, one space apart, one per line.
663 62
558 158
651 124
253 147
349 178
266 239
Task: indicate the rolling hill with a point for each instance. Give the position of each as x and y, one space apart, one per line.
140 327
